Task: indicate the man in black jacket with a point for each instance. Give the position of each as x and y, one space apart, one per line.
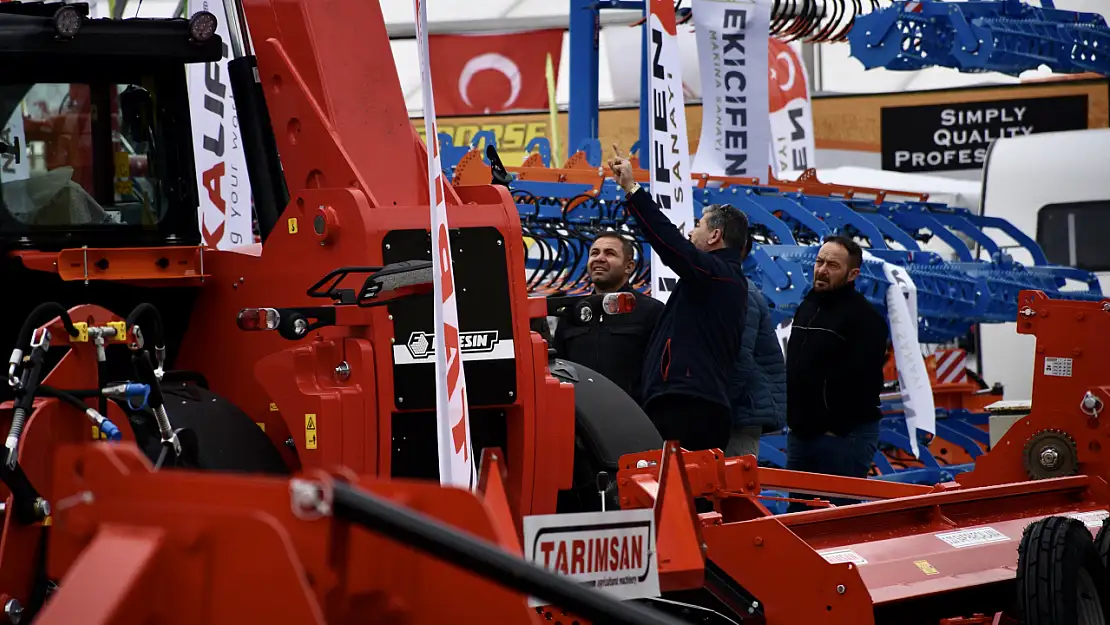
692 353
614 345
834 370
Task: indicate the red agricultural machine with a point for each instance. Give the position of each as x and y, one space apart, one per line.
230 437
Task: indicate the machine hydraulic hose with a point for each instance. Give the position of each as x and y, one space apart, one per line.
137 340
486 560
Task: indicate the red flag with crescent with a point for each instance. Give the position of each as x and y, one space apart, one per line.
481 74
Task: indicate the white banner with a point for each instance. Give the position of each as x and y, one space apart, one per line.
913 377
669 153
793 150
456 464
223 188
732 49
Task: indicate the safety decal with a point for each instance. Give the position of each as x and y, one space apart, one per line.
292 225
842 556
1092 519
925 567
261 425
973 537
310 431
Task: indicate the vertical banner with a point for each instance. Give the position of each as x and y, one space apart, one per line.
456 464
732 40
793 149
913 377
226 218
669 157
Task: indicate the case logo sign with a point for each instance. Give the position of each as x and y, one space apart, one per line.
613 552
422 345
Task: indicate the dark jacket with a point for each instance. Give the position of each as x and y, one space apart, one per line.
697 341
834 363
612 345
759 387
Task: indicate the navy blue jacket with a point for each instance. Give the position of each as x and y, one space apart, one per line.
697 338
759 387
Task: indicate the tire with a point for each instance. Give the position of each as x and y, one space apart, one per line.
607 425
1102 543
1060 578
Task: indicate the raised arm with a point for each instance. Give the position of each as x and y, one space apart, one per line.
675 250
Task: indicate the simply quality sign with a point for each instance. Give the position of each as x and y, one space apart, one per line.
956 136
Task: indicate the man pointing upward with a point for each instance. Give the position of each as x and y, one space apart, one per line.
696 342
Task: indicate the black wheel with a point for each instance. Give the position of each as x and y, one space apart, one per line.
1060 579
1102 543
607 424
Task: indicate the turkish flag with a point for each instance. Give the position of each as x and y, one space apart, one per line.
479 74
786 75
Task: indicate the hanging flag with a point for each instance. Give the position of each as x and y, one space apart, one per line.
732 40
482 74
793 149
456 462
669 158
913 377
224 190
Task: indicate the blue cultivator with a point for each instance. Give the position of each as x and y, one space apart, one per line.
1005 36
561 210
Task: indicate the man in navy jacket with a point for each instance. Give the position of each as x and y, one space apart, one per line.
691 355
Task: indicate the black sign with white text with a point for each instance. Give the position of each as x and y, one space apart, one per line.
948 137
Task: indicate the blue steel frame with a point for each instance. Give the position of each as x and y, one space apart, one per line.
585 30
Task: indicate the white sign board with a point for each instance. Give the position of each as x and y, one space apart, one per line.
613 552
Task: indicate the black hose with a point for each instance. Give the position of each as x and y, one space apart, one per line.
40 315
139 313
65 396
484 559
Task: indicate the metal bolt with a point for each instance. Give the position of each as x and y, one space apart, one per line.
1050 458
840 589
290 444
343 370
300 326
14 611
42 508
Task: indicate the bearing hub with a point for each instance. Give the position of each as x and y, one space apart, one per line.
1051 453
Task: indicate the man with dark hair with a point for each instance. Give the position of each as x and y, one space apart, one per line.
611 345
834 370
759 385
691 355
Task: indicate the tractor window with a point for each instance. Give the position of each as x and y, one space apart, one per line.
79 155
1075 234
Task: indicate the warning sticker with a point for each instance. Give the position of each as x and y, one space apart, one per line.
841 556
925 567
1092 519
310 431
1058 367
973 537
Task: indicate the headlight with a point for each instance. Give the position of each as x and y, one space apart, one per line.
202 26
67 21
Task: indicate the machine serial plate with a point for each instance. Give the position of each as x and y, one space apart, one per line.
1091 519
973 537
842 556
1058 367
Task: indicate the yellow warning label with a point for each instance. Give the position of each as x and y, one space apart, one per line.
310 431
96 433
261 425
292 225
926 568
273 407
